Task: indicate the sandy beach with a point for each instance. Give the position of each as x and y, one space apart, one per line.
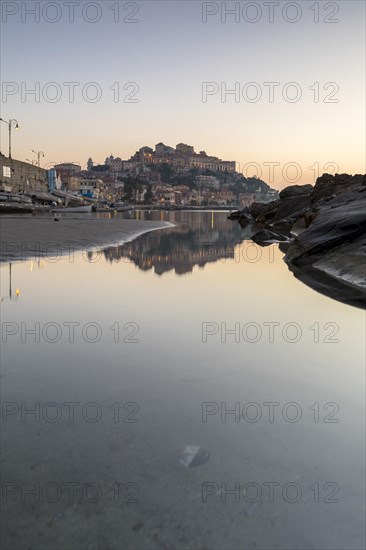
23 238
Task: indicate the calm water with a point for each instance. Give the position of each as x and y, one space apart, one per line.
191 336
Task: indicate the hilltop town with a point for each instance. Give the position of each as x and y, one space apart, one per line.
160 176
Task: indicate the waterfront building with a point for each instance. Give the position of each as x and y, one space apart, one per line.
89 187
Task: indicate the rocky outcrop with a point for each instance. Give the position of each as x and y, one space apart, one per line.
340 220
330 255
282 209
322 230
296 191
327 186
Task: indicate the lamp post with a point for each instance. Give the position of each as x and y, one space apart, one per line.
12 122
38 153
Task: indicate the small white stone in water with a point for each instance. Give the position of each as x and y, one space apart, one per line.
193 456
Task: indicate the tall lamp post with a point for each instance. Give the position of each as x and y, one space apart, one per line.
38 153
12 122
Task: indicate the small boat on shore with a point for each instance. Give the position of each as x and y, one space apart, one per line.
86 209
16 208
102 207
124 208
121 207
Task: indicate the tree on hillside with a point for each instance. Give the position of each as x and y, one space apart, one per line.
148 197
166 172
131 187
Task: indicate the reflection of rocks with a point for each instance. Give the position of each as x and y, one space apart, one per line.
329 219
183 246
265 237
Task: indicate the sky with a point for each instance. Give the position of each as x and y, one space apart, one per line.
109 77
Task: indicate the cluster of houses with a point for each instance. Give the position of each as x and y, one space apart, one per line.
203 179
205 192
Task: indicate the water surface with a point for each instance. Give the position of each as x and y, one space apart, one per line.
189 336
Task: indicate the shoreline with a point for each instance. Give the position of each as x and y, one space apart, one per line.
23 239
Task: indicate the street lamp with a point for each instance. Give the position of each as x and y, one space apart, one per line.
12 122
38 153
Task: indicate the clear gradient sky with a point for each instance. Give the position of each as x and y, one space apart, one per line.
169 52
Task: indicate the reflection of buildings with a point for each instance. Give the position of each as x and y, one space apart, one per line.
210 239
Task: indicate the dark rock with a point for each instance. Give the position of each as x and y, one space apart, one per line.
265 237
282 226
304 201
329 219
342 219
327 186
258 208
330 256
234 215
246 219
293 207
296 191
242 216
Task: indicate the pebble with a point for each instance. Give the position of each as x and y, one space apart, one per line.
194 456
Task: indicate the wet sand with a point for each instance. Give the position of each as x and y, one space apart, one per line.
24 238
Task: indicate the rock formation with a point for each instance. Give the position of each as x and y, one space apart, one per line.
322 230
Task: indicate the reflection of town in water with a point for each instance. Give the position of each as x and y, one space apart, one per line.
194 240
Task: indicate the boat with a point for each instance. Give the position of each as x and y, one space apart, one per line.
100 207
74 210
11 203
16 208
121 207
103 209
